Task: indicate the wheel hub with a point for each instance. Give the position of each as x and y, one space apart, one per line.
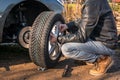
54 48
24 36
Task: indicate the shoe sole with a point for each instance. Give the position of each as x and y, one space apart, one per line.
105 70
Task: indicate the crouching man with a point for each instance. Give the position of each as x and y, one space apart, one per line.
95 38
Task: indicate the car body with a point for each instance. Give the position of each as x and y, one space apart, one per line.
17 14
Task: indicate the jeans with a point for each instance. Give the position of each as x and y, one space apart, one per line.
89 51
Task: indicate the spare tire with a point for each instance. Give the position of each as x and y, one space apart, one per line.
42 52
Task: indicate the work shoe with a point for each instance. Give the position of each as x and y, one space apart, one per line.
102 65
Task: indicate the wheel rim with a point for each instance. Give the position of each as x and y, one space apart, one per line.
26 37
54 48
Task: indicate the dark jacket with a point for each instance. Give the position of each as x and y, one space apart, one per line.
96 23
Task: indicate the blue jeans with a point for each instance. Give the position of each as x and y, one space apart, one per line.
88 51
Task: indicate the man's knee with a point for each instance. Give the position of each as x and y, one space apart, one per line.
65 49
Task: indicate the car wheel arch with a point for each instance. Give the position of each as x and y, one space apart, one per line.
13 8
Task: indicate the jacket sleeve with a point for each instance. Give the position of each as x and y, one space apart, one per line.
90 17
72 26
89 20
68 38
76 37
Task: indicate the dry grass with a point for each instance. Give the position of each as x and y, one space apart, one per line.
72 12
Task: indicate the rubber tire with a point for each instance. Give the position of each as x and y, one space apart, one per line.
40 32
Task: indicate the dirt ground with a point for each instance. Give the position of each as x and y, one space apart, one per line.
15 64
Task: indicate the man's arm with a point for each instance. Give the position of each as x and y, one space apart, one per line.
90 17
73 26
89 20
68 38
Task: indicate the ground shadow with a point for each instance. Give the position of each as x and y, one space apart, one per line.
13 55
70 62
116 65
111 76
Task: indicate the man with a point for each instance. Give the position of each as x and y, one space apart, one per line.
95 38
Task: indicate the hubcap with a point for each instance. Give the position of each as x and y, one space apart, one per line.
54 48
26 37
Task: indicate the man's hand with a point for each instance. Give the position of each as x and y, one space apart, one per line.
63 27
53 38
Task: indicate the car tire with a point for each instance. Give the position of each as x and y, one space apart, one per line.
39 41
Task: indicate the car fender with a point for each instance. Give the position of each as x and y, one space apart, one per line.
7 5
